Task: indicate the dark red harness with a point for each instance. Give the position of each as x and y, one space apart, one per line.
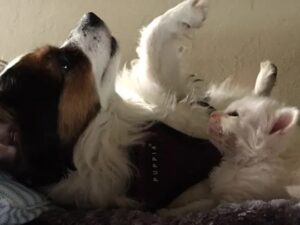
168 163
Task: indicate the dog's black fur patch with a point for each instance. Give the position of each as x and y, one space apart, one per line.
30 92
33 99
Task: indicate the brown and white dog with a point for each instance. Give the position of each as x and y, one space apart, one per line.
153 89
70 118
48 97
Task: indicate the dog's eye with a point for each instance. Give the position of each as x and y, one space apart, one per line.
233 114
64 63
66 67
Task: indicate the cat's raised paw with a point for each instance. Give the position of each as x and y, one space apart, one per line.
268 68
266 79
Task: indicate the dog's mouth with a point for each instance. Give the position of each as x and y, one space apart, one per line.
9 134
9 143
13 137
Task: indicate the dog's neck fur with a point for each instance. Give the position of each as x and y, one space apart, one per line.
104 160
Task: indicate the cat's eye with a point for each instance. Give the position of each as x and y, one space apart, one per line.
203 103
233 114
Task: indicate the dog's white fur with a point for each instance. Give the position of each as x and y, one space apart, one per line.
152 89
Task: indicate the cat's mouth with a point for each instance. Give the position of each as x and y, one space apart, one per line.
224 140
215 134
215 130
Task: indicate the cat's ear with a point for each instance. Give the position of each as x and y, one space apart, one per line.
285 119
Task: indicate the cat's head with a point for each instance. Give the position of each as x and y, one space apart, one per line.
252 127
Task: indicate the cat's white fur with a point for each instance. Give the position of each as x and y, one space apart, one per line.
254 134
252 143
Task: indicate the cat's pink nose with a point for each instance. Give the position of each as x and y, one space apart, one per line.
215 117
214 125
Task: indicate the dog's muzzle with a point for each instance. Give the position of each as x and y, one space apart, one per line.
91 20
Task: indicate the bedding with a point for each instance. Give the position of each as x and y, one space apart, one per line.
18 204
276 212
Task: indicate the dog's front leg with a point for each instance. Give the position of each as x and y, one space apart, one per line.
159 48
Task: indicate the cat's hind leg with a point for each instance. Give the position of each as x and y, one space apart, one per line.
266 79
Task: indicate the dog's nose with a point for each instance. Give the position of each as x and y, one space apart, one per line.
93 20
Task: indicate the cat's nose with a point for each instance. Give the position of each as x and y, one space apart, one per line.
215 117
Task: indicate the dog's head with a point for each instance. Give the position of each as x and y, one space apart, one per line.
48 96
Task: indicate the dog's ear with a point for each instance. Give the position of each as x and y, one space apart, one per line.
266 79
285 119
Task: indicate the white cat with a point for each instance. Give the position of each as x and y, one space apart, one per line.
252 133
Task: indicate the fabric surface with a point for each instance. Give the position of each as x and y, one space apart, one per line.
18 204
276 212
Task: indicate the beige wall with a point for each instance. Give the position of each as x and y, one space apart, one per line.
237 36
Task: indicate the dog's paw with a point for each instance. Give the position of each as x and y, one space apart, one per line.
189 14
194 13
266 78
